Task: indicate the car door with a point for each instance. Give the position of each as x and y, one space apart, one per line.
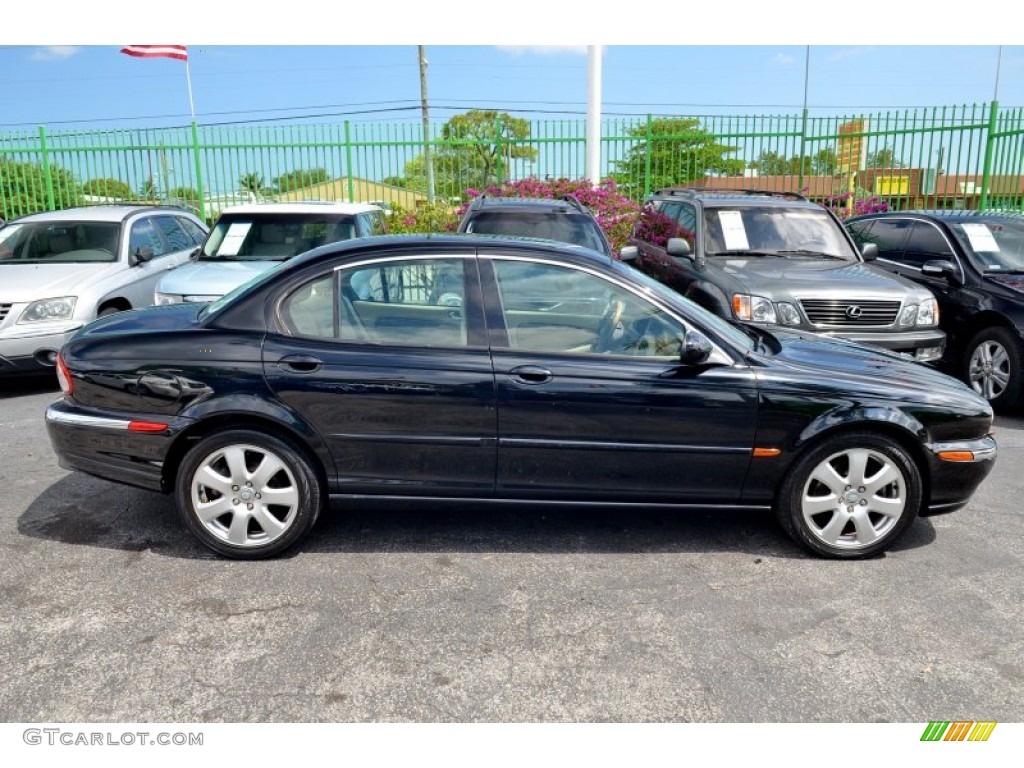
388 360
169 246
592 400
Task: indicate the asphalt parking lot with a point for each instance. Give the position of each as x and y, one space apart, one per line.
112 612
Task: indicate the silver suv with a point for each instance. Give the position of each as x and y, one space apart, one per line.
778 259
63 269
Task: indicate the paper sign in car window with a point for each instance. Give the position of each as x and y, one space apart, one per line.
981 238
732 231
233 240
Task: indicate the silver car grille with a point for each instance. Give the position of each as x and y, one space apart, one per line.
4 309
850 312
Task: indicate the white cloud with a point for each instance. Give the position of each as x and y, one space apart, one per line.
544 50
848 53
54 52
784 59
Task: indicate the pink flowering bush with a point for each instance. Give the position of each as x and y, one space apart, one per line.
657 228
862 204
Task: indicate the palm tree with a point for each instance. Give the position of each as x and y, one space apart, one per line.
253 184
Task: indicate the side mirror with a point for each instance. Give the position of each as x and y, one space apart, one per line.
142 254
939 268
695 349
195 254
629 253
869 251
677 246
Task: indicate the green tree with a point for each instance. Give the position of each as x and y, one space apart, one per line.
149 190
298 179
253 182
187 196
883 158
679 151
824 162
114 188
24 188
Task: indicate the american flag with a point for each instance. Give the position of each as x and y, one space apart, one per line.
157 51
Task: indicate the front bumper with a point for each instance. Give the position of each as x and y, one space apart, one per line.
32 350
924 346
953 481
100 443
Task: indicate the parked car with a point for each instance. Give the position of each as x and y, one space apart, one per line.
777 258
60 270
565 220
974 264
341 375
248 239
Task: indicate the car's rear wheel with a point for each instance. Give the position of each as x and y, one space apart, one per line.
850 496
248 495
992 367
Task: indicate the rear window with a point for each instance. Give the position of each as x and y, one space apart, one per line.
274 237
573 228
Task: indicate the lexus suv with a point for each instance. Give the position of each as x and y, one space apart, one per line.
564 219
62 269
772 258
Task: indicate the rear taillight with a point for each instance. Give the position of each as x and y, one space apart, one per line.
67 386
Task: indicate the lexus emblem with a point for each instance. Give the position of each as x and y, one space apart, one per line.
853 311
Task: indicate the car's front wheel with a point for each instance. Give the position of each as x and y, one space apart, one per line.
992 366
850 496
247 494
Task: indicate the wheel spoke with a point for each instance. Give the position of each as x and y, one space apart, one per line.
892 508
270 524
1001 376
206 476
888 474
866 532
287 497
831 532
239 531
815 505
858 468
269 466
826 474
234 455
210 511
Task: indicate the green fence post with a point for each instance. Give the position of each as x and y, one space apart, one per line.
647 158
497 150
199 171
348 164
803 151
50 199
986 171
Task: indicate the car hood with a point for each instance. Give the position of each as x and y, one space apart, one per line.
211 278
29 282
834 362
767 275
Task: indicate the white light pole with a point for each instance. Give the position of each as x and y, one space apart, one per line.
594 114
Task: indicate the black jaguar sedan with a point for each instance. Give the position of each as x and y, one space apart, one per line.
420 369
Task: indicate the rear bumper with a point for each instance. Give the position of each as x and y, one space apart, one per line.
99 443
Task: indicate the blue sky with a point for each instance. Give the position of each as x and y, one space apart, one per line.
358 62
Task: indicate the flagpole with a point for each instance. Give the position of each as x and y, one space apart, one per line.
188 78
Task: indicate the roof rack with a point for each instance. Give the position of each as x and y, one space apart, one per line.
693 191
574 202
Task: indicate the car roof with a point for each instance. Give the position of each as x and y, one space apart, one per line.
947 215
301 207
99 213
711 197
539 203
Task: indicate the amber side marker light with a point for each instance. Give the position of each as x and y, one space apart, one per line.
766 453
146 426
67 386
956 455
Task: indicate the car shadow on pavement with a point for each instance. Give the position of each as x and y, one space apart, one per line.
28 385
82 510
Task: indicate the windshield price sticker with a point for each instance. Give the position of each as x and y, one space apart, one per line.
233 240
981 238
732 230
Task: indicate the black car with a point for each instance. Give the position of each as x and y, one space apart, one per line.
419 369
776 258
974 264
564 219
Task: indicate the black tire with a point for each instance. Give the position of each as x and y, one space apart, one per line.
236 482
108 311
992 367
837 519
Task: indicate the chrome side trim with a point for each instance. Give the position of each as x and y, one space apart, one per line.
82 420
984 449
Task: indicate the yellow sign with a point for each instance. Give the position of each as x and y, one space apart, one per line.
892 185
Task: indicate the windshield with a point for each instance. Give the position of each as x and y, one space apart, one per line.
993 246
574 228
59 242
792 232
274 237
731 333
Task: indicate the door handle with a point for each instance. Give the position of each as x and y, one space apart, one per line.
300 364
530 374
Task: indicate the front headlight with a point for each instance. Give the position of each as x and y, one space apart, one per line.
168 298
49 309
754 309
928 313
788 313
908 315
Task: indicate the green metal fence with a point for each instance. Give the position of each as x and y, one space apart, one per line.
949 157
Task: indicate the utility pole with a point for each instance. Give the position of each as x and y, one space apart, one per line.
427 155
